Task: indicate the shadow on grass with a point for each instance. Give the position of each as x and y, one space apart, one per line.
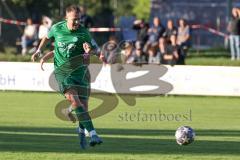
67 142
113 131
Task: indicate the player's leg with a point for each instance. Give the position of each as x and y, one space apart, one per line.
82 115
82 136
78 108
85 105
70 94
80 129
95 139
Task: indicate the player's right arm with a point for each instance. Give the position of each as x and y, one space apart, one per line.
43 43
46 57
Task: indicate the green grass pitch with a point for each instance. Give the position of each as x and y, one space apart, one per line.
29 129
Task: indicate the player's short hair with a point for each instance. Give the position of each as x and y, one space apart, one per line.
73 8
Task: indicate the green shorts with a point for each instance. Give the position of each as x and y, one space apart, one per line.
78 81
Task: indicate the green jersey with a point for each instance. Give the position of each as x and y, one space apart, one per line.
71 69
68 44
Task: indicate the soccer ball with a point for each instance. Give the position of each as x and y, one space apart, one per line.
184 135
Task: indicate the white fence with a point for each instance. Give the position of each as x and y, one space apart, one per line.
186 80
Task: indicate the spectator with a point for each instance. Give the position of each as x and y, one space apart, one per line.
139 56
154 57
44 27
154 33
180 56
171 30
142 30
110 50
183 37
170 55
234 30
29 36
85 19
128 53
162 45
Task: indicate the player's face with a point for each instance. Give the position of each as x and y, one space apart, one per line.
73 20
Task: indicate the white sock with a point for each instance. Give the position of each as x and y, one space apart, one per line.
70 109
80 130
93 132
86 132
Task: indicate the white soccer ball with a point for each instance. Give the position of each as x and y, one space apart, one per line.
185 135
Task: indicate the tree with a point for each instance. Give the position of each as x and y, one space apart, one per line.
142 9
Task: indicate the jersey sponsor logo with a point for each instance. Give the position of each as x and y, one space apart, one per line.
63 47
61 44
71 47
75 39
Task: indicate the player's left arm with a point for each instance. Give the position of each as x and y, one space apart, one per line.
91 47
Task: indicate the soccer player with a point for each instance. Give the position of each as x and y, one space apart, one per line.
72 43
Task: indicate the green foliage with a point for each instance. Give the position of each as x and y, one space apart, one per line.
22 3
96 8
142 9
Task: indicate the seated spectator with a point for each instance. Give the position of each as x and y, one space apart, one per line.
44 27
29 36
139 56
183 37
171 30
109 50
154 56
180 59
154 33
170 54
127 53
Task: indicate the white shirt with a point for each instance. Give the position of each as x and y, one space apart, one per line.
43 31
30 30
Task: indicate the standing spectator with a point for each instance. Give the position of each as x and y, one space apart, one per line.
85 19
154 33
29 36
234 30
183 37
142 30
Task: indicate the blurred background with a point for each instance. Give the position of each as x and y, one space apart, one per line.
114 19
